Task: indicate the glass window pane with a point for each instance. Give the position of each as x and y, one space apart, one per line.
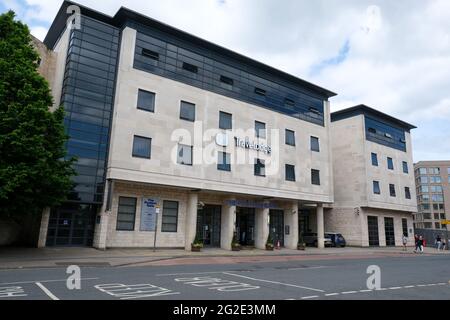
170 216
260 128
290 172
142 147
225 121
146 100
315 177
290 137
315 144
224 161
184 155
187 111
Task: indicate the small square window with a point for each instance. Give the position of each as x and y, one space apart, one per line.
224 161
226 80
376 187
374 159
142 147
392 190
290 172
390 163
315 177
187 111
290 137
315 144
184 155
146 100
260 128
260 168
225 121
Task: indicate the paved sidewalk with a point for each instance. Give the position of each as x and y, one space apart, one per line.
24 258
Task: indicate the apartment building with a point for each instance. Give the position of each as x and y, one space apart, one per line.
433 194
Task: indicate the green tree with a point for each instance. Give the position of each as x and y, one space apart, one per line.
33 171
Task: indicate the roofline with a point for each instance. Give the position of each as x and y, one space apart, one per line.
366 110
59 23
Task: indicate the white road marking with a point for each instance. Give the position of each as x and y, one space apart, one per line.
395 288
217 284
349 292
44 281
310 297
275 282
188 273
332 294
46 291
366 290
12 292
135 291
408 287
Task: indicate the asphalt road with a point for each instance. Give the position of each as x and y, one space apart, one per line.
409 277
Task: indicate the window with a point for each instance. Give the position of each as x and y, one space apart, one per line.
435 179
290 172
425 198
315 177
226 80
260 91
190 67
289 103
315 144
424 189
436 189
423 179
437 225
405 167
405 227
187 111
441 206
435 207
150 54
448 171
142 147
314 110
407 193
169 221
260 128
376 187
437 198
225 121
290 137
126 214
224 161
426 207
422 170
436 216
372 130
146 100
392 190
184 155
374 159
390 163
260 168
434 170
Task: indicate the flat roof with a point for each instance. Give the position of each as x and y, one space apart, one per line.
123 14
366 110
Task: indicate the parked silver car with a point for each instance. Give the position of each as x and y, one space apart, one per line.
310 239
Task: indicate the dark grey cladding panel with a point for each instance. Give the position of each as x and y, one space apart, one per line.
173 52
88 97
385 134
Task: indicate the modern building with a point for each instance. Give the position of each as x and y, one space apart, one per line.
433 194
374 189
177 137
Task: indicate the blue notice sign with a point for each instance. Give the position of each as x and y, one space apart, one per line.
149 212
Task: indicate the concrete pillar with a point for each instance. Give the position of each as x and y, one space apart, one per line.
228 225
43 228
291 220
262 228
320 227
191 220
101 230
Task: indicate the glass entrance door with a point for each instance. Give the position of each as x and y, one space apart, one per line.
208 225
372 223
389 231
245 226
277 226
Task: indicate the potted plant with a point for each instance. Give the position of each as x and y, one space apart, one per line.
235 245
301 244
269 243
197 245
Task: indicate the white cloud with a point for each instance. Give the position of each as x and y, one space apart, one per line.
398 60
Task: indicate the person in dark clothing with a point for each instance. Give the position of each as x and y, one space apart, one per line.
438 242
420 244
416 242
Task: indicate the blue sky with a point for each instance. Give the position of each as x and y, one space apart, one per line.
391 55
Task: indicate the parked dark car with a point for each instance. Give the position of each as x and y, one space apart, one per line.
337 239
310 239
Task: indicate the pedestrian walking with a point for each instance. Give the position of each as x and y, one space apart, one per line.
405 242
420 244
438 242
416 243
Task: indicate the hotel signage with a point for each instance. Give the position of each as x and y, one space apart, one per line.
223 141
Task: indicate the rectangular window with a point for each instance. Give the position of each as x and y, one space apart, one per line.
374 159
422 170
184 155
260 91
405 167
426 207
437 189
315 177
225 121
150 54
126 214
224 161
376 187
289 103
169 221
260 168
226 80
290 137
392 190
434 170
407 193
142 147
390 163
424 189
187 111
190 67
315 144
146 100
435 179
290 172
405 227
260 128
437 198
424 179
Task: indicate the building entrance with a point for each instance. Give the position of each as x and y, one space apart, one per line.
372 223
245 226
277 226
208 225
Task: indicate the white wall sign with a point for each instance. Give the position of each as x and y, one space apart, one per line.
149 211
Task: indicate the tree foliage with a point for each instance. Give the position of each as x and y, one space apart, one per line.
34 173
